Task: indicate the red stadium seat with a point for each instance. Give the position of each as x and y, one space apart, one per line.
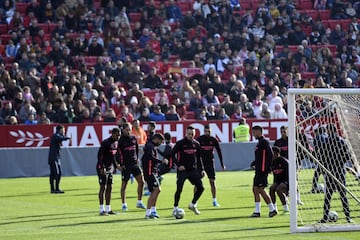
332 47
313 14
135 17
5 38
52 27
293 48
21 7
3 28
190 115
332 23
324 14
307 75
245 5
345 23
44 26
184 6
90 60
305 5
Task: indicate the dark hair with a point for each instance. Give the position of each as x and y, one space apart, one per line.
158 136
152 124
283 127
59 127
257 127
115 130
167 136
190 128
276 149
207 126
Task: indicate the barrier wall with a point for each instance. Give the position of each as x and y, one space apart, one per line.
80 161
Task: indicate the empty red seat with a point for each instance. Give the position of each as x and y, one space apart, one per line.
324 14
332 23
21 7
312 13
3 28
190 115
135 17
345 23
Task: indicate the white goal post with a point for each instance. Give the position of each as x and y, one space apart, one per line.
339 108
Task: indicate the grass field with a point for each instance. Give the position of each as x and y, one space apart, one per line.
28 210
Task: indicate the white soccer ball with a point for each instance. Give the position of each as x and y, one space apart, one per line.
179 213
320 188
333 216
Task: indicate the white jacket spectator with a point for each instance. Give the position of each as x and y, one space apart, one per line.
279 112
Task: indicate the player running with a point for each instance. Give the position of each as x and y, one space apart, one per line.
186 155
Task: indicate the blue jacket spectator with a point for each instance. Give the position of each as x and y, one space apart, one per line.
157 115
173 12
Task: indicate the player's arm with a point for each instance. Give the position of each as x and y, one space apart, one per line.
120 157
218 149
137 149
174 156
100 156
199 158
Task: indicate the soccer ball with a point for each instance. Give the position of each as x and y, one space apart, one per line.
179 213
333 216
320 188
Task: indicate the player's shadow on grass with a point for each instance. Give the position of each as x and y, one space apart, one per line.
105 221
48 217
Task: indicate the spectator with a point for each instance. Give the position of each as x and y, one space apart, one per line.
222 115
173 12
153 80
265 112
246 107
110 116
279 112
172 115
157 115
210 99
238 113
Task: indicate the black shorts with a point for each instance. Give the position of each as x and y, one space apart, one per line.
260 179
278 184
210 170
192 175
152 182
106 179
164 168
135 170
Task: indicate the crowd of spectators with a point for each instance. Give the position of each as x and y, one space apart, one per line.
81 61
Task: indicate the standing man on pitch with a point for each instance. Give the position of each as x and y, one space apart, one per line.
186 156
262 165
207 144
54 158
105 167
149 162
336 154
128 150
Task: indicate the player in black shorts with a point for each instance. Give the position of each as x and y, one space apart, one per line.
128 150
149 162
262 165
186 154
280 170
166 153
207 144
105 167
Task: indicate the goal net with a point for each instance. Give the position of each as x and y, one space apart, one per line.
324 154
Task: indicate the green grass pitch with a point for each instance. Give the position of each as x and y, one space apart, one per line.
28 210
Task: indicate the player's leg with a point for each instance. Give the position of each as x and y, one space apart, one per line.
52 177
139 177
315 179
102 184
195 179
154 188
262 183
282 192
125 176
108 190
181 177
210 172
344 199
58 178
329 190
272 192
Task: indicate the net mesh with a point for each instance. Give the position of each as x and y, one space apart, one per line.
327 153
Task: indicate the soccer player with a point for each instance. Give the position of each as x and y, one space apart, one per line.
128 150
208 144
283 144
54 158
280 170
150 133
262 165
105 167
186 155
149 162
336 154
320 140
166 153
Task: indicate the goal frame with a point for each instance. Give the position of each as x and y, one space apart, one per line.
292 92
